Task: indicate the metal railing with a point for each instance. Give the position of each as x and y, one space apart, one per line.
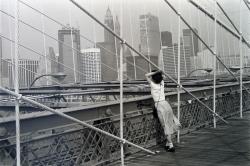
79 145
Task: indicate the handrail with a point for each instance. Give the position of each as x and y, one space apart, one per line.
20 97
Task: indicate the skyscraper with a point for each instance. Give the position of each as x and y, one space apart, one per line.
108 21
110 49
90 65
69 37
166 38
191 40
170 57
150 35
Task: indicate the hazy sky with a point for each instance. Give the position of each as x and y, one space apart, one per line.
65 12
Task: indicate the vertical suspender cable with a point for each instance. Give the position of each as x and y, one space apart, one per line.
173 51
140 54
160 56
115 39
44 46
121 85
241 66
18 160
146 32
192 42
215 60
199 27
132 41
235 57
208 36
72 44
94 28
11 51
229 50
179 67
223 48
184 56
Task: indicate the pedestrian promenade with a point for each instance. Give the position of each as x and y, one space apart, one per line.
227 145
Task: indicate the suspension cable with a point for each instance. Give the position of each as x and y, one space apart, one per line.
145 58
57 112
172 7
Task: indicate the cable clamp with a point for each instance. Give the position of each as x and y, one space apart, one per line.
123 42
123 141
19 96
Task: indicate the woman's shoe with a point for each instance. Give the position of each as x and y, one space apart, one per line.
166 147
171 149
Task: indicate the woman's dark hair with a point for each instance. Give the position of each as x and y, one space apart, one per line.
157 78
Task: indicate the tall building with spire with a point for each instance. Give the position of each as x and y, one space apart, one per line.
108 21
110 49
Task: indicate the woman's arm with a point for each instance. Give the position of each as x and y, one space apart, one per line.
148 75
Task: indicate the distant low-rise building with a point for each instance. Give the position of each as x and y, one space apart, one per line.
27 72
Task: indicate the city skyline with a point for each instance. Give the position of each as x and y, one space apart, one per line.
151 36
93 31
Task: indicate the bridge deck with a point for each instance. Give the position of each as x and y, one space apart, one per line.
227 145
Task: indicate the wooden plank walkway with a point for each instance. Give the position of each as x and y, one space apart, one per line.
227 145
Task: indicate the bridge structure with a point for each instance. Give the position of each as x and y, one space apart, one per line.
110 122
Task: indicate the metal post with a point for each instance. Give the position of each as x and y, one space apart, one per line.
121 87
241 65
18 160
178 69
121 103
215 52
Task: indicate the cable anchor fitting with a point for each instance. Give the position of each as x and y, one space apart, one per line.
19 97
123 42
123 141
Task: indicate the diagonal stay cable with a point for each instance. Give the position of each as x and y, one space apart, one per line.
246 3
61 24
232 23
238 36
196 34
60 113
219 22
140 54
